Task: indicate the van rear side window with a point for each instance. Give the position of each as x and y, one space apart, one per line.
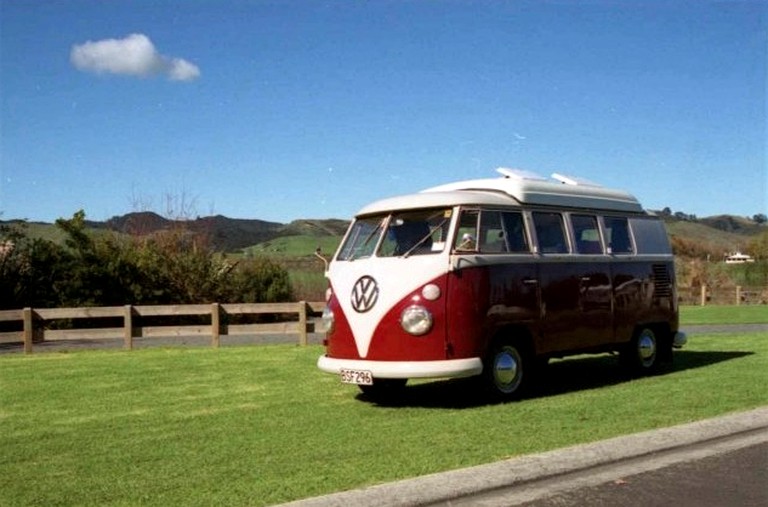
650 235
586 234
617 235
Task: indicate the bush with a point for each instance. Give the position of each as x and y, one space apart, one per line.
169 267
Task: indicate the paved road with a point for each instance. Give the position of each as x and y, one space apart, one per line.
732 471
734 478
725 328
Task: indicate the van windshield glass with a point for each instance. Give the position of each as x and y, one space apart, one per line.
416 232
406 233
362 238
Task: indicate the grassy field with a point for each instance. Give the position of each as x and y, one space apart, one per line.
296 255
743 314
260 425
295 246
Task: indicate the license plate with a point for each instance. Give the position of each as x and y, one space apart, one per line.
359 377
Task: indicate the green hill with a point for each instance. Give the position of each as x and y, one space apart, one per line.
705 239
295 246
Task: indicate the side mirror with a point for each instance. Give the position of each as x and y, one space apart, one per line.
319 255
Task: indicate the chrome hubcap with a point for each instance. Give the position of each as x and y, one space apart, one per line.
646 347
506 370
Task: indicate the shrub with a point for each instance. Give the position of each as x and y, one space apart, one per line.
169 267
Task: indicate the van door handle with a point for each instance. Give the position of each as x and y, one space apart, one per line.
586 278
530 281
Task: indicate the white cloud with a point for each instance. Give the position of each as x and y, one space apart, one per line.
134 55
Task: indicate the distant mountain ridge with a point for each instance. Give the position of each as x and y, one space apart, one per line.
730 223
224 233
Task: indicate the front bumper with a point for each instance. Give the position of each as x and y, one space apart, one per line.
451 368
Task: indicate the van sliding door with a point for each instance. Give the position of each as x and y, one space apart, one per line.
492 281
575 284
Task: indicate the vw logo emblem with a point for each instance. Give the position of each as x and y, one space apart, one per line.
365 293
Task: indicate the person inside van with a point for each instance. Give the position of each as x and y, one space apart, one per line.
409 234
468 242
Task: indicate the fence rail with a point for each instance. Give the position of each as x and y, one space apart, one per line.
703 295
294 319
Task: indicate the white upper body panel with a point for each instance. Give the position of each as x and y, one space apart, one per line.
514 187
436 200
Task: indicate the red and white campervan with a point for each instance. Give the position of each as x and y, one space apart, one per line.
493 277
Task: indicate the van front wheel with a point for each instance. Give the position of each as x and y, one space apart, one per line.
505 371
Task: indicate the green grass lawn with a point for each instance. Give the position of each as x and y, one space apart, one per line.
729 314
261 425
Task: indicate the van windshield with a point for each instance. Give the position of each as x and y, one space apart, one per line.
400 234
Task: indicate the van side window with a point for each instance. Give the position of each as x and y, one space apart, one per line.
550 232
492 233
650 236
466 234
586 234
617 232
514 233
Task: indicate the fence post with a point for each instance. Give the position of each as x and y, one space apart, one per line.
128 327
738 295
29 329
703 295
303 323
215 325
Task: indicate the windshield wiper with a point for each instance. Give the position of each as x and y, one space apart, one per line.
422 240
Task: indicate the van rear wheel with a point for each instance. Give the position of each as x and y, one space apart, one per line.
641 354
505 371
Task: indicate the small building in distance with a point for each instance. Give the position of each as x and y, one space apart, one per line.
738 258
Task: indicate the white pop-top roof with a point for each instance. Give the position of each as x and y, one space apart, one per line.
515 187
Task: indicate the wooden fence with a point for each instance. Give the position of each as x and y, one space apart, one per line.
292 318
704 295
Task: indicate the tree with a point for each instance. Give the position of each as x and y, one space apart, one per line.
760 218
108 269
32 270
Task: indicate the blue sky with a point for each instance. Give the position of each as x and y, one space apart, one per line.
280 110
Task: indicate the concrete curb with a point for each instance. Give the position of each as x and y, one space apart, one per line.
442 487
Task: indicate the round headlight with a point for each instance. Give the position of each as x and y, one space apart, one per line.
416 320
327 320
